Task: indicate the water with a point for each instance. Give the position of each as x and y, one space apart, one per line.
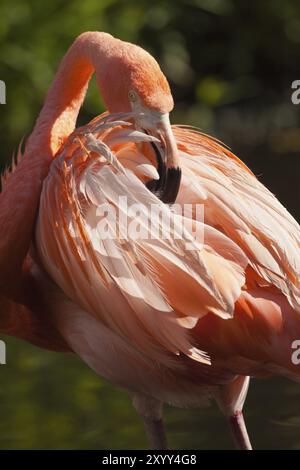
53 401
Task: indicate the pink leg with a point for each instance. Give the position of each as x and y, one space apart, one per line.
239 431
230 398
150 409
156 433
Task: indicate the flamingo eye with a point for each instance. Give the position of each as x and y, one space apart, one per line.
132 95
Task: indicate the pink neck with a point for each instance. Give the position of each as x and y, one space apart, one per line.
20 196
63 101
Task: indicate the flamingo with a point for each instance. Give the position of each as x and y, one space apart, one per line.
168 323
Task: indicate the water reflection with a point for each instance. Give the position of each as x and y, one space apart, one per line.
53 401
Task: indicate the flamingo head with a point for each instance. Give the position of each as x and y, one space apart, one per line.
131 80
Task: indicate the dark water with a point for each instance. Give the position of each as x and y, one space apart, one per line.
53 401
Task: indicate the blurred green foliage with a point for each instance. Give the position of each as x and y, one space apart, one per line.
230 65
53 401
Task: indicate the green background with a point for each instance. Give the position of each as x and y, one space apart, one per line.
230 65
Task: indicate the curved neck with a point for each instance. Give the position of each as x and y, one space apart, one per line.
65 96
20 195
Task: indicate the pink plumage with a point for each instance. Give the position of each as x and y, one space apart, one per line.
169 324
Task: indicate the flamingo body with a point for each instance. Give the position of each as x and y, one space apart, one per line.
162 316
167 323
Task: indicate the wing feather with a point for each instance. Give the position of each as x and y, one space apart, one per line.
247 212
146 289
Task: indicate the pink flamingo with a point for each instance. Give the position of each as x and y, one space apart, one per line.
168 324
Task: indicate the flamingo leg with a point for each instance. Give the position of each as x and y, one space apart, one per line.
155 431
150 410
239 431
231 398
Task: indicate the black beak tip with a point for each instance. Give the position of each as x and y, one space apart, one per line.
172 185
167 187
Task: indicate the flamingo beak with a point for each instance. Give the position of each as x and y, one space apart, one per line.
168 165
